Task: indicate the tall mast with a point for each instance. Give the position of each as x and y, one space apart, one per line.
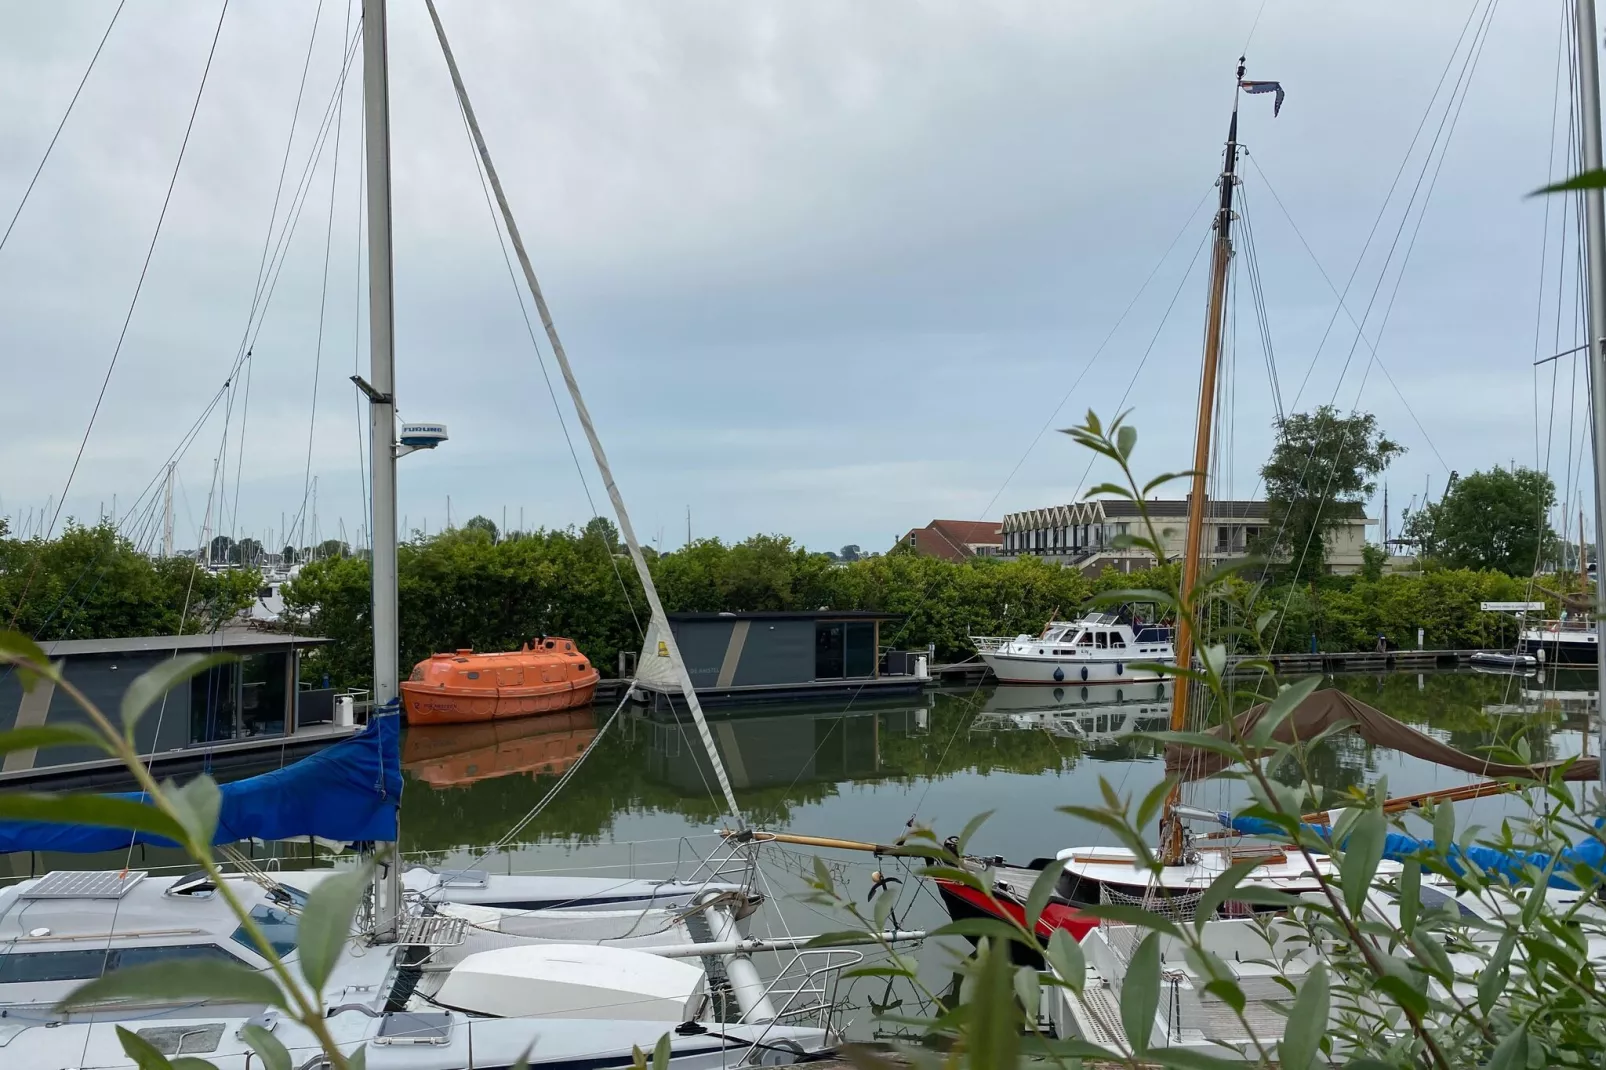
167 513
1595 320
382 403
1171 844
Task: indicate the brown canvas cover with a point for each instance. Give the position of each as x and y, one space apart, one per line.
1330 707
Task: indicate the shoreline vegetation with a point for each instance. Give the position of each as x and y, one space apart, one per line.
474 587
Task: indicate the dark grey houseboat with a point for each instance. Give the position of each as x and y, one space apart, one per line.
252 707
755 657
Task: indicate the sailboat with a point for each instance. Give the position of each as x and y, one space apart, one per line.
444 970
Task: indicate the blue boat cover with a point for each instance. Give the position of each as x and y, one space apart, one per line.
350 792
1590 853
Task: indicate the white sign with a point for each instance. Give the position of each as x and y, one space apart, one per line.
1511 607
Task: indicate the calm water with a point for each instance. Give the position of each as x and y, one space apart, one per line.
643 803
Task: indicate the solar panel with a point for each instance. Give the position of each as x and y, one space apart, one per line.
87 884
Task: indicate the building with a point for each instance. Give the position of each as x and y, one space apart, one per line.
253 705
754 657
956 540
1084 534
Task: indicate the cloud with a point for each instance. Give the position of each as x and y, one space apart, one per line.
824 269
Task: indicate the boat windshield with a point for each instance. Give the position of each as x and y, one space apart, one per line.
1054 635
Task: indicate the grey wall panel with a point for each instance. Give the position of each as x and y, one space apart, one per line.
103 679
702 643
777 652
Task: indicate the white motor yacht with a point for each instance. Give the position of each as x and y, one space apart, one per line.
1099 648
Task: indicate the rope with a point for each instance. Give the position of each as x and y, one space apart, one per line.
28 192
133 303
667 635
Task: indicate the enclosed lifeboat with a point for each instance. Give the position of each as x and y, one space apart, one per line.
463 687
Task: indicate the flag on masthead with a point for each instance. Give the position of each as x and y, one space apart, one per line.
1266 87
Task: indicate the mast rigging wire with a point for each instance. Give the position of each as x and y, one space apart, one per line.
133 303
28 192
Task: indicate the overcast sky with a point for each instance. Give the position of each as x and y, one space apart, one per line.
823 269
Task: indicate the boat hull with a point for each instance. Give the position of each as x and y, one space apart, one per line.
546 676
1563 649
1014 669
963 901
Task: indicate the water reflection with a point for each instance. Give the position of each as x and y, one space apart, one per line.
449 756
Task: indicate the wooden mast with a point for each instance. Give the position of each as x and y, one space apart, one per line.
1171 839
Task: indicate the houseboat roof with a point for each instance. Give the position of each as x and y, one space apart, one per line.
241 640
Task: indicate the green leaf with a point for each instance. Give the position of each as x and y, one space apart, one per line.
197 804
358 1060
1493 979
979 927
1028 989
660 1053
102 811
1410 897
822 877
1595 179
1187 1059
970 829
1154 800
638 1057
38 737
275 1056
1432 957
1229 992
196 978
154 683
1307 1022
1363 850
994 1017
1065 955
840 938
1443 826
1512 1052
1221 889
325 925
1140 994
28 657
1130 915
1125 440
142 1051
1042 888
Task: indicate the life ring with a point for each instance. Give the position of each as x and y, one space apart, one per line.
1084 673
1059 674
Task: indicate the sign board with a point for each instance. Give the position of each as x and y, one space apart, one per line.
1512 607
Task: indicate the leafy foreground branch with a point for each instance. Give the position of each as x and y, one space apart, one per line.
1427 945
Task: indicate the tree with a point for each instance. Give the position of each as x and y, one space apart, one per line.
600 527
1490 520
482 524
288 555
222 549
1322 469
246 552
331 548
850 552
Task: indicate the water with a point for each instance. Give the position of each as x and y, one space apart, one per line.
643 803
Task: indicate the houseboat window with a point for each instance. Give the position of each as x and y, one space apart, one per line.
859 640
1103 640
1085 639
1116 642
277 925
262 693
214 703
40 966
828 659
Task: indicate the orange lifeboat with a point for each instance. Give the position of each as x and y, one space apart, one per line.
463 687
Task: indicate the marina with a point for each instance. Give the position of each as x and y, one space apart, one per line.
1224 755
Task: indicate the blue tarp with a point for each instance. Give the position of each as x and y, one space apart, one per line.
1513 867
349 791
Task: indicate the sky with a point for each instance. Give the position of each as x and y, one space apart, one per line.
824 270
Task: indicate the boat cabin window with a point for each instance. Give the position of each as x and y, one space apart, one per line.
82 965
1085 639
1054 635
277 925
1103 640
1116 642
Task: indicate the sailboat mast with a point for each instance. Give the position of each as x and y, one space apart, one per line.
1595 320
1171 847
382 407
